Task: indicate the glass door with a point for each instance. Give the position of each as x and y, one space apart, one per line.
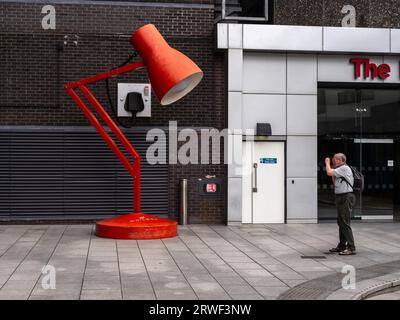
375 109
362 123
378 169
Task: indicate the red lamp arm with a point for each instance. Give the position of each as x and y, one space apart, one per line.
134 167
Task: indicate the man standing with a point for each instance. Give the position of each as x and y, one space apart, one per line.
345 200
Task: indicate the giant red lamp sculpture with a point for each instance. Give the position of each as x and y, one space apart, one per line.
172 75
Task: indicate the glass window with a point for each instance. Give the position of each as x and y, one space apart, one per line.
347 111
365 125
245 10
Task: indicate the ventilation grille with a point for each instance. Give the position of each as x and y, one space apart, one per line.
69 173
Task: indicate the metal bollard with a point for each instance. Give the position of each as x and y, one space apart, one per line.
183 209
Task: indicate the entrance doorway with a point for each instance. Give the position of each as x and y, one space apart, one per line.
365 125
264 182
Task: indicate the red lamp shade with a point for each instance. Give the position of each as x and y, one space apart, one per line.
171 73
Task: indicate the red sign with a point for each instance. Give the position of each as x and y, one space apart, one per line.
211 188
370 70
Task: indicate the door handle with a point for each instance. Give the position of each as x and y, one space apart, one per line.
255 189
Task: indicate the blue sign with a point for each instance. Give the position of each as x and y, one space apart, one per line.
268 160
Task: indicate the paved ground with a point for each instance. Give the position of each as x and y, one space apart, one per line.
367 281
392 295
204 262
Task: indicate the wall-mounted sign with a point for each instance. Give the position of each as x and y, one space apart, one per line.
269 160
211 187
364 68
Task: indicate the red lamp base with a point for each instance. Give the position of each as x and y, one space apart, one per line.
136 226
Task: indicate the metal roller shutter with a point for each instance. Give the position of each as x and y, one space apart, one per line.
57 173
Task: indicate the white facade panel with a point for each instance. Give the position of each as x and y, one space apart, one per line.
395 40
235 36
222 36
338 68
309 38
282 38
234 199
348 40
302 157
264 73
265 109
235 154
234 111
302 199
302 118
302 74
235 69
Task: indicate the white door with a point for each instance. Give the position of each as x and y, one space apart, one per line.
265 183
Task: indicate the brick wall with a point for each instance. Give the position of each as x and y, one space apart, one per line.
33 71
370 13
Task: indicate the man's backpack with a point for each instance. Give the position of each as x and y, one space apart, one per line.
358 180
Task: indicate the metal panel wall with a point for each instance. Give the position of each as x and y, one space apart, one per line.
302 115
302 156
357 40
69 173
302 200
337 68
264 73
268 108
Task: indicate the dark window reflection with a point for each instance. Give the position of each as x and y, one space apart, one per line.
339 111
252 8
365 125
